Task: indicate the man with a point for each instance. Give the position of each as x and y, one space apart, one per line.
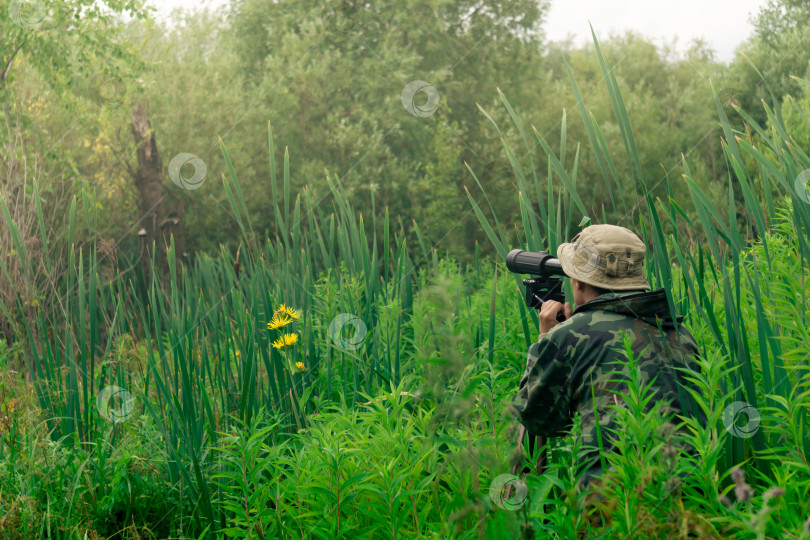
572 367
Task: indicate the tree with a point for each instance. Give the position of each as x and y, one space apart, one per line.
56 44
768 61
331 78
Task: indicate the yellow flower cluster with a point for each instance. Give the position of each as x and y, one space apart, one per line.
278 321
285 341
287 311
283 316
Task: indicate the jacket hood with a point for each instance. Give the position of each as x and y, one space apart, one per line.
647 306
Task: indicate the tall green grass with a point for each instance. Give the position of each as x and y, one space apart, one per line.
210 374
762 163
209 357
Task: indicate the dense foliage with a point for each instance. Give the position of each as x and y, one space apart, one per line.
311 370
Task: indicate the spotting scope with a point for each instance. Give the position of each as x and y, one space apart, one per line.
545 283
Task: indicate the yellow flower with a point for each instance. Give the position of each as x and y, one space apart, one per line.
287 311
285 341
278 321
300 367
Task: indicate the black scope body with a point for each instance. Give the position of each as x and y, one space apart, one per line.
537 263
546 283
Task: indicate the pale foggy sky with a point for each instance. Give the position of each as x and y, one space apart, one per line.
723 24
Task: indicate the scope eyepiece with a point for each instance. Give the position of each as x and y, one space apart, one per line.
537 263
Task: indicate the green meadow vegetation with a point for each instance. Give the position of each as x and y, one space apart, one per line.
323 366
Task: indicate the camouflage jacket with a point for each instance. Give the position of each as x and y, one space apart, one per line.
572 368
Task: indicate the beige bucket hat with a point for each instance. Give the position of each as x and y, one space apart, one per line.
605 256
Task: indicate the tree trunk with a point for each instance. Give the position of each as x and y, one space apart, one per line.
150 192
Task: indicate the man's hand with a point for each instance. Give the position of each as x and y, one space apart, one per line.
548 314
